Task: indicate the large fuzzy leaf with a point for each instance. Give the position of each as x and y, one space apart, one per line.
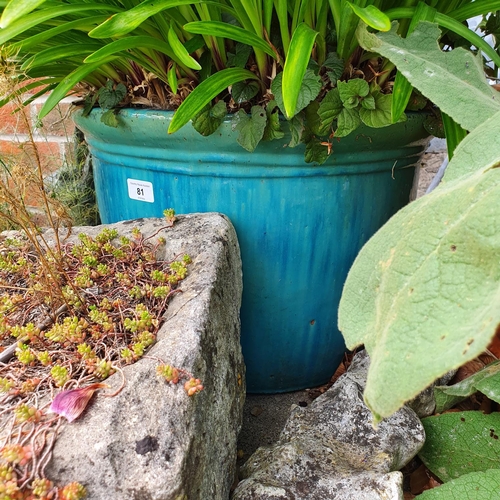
468 98
477 151
461 442
428 282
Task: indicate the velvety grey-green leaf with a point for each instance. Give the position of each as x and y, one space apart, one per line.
453 80
381 115
210 118
309 90
244 91
478 150
273 128
330 108
427 282
486 381
458 443
251 128
347 121
474 486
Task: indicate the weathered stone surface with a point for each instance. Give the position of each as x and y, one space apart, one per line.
330 450
153 442
425 403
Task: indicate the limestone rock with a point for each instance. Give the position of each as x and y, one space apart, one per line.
153 442
330 449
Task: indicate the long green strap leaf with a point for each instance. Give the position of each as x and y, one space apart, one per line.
47 34
220 29
58 53
125 22
454 133
67 84
40 16
131 42
180 51
372 16
402 89
17 9
296 63
476 8
205 92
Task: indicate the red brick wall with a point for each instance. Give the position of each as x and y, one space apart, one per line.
53 139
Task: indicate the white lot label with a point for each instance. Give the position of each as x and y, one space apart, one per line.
140 190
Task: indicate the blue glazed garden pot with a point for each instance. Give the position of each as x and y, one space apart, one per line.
299 225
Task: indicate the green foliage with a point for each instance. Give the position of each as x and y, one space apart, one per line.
207 121
461 442
184 54
474 486
429 69
250 127
427 281
486 381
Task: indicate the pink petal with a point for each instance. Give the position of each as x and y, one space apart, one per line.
70 404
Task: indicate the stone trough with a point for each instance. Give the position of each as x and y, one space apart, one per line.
152 441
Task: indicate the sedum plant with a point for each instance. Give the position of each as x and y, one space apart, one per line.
256 59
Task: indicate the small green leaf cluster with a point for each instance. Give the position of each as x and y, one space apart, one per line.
59 374
142 320
25 354
72 329
29 331
6 384
25 413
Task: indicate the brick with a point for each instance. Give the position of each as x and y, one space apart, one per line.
10 122
58 121
50 153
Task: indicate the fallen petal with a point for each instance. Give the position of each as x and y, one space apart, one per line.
70 404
